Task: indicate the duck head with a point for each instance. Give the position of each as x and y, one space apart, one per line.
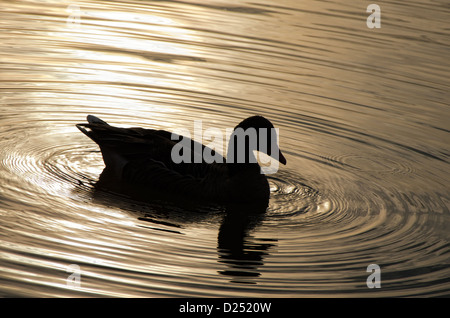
254 133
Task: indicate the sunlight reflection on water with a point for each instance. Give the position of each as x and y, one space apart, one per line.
362 122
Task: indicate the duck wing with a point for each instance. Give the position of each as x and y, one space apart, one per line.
143 158
193 182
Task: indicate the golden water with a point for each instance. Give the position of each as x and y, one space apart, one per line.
364 124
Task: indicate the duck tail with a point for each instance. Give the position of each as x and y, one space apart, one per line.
105 135
95 120
92 120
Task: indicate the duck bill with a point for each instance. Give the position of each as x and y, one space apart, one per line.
281 158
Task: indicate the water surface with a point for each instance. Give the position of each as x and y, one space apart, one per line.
364 124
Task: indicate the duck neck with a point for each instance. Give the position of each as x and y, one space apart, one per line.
240 156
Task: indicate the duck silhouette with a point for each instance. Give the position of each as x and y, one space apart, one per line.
140 162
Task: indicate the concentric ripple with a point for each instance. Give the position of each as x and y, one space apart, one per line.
289 196
361 119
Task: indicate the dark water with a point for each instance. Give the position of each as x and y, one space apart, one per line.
364 124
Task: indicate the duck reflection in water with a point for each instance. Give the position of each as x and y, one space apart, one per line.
237 248
140 163
242 254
